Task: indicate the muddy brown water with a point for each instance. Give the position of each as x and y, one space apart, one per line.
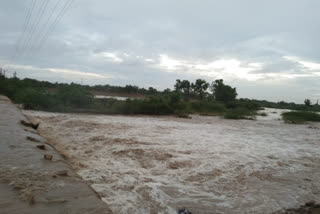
205 164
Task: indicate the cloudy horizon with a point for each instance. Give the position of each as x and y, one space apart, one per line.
267 50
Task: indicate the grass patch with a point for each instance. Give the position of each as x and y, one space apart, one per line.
299 117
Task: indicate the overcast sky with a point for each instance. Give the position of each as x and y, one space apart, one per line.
267 49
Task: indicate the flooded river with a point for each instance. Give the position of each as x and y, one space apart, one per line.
141 164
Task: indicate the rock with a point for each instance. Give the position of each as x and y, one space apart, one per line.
184 211
310 204
62 173
33 139
310 207
48 157
34 126
185 116
42 147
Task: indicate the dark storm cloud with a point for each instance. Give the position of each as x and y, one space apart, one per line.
146 43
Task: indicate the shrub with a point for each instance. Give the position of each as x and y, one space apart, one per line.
262 114
240 113
74 96
207 107
33 99
183 115
298 117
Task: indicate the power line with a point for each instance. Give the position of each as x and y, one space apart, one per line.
55 22
41 37
32 38
26 39
39 31
42 8
25 27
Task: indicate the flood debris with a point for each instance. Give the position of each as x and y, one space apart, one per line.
28 124
42 147
48 157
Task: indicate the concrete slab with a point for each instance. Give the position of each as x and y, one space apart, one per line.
31 184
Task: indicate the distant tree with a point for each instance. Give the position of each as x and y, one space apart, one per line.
167 90
307 102
152 91
178 85
283 103
200 87
222 92
143 91
186 87
183 86
131 89
2 73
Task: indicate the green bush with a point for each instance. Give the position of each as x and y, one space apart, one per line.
240 113
74 96
262 114
33 99
298 117
40 95
208 107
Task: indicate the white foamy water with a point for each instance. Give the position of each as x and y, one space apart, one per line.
205 164
111 97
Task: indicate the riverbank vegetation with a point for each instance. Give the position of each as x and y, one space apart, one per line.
199 97
299 117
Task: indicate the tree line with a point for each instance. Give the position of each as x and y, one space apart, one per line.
200 96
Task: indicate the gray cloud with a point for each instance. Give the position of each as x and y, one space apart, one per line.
244 42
